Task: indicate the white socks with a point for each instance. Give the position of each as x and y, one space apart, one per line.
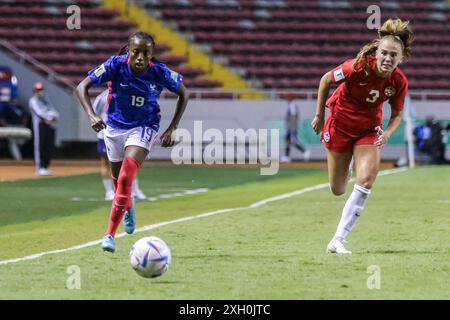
108 184
352 210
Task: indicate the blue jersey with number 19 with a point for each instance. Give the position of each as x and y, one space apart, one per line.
133 98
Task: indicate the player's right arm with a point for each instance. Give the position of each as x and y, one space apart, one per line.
82 93
322 95
100 74
342 73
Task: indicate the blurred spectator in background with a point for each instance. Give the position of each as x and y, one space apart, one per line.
438 142
422 136
8 88
430 141
12 114
44 117
291 140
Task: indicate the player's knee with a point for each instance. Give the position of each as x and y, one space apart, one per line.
337 190
366 182
367 185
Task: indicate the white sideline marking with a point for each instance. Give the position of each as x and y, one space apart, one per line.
161 196
202 215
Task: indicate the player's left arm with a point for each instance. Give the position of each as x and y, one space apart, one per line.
394 123
397 104
167 139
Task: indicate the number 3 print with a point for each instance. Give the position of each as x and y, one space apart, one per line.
375 95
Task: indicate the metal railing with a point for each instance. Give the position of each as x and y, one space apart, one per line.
300 94
25 58
200 93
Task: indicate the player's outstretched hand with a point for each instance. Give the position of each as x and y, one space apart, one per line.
167 139
317 124
97 123
383 138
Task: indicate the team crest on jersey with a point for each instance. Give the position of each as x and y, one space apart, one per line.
326 137
389 91
152 86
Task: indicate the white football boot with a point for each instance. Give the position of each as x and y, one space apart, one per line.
109 195
307 155
285 159
138 194
44 172
336 245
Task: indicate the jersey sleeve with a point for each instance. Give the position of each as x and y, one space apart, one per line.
169 79
342 72
105 72
397 102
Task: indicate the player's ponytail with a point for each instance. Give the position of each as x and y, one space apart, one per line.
394 29
367 50
123 50
399 31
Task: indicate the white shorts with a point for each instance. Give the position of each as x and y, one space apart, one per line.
116 140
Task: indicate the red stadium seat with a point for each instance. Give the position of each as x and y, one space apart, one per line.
40 30
303 39
287 44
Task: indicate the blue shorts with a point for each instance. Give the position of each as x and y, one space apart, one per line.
101 147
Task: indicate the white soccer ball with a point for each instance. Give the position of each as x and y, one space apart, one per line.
150 257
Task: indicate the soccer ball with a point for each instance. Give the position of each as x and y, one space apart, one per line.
150 257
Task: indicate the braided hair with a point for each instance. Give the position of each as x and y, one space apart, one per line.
139 35
144 36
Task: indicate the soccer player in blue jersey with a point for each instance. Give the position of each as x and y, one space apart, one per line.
136 81
100 108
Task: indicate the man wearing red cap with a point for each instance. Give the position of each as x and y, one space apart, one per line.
44 117
38 86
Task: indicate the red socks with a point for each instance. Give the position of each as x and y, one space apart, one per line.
122 199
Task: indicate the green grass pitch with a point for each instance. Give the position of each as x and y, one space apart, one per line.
274 251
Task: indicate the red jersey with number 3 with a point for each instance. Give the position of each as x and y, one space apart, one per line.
357 101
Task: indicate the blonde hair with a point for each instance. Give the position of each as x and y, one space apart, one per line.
394 29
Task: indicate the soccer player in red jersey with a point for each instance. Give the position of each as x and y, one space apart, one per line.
353 127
